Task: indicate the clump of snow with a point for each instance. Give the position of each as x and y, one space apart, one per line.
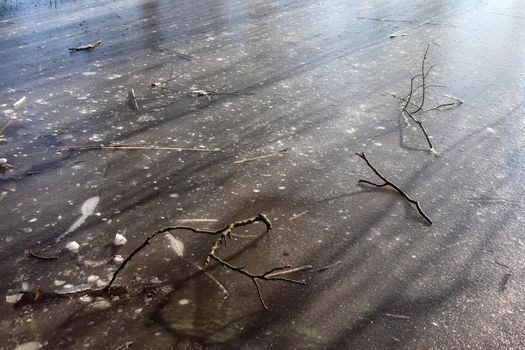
176 245
59 282
184 302
118 259
86 299
13 298
92 278
120 239
32 345
3 160
101 304
73 246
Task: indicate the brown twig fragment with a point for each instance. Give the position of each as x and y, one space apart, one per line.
6 125
274 274
86 47
394 186
133 99
328 266
270 275
139 148
42 257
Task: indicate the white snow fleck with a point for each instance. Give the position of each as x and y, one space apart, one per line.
20 102
118 259
87 209
176 245
492 131
3 160
184 302
59 283
120 239
73 246
13 298
92 278
86 299
101 304
89 73
32 345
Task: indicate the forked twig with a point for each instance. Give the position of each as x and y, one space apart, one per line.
394 186
270 275
274 274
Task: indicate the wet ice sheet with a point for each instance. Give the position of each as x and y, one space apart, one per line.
323 74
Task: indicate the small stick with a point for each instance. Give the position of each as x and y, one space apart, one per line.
420 124
38 256
19 102
6 125
328 266
133 99
504 281
284 150
225 232
386 19
86 47
270 275
289 270
394 186
140 148
398 316
298 215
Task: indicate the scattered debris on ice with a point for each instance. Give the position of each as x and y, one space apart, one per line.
73 246
120 239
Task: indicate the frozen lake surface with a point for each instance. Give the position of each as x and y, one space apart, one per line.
252 107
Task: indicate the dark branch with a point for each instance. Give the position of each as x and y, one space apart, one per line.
394 186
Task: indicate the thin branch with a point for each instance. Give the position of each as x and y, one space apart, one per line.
224 233
394 186
133 99
86 47
42 257
328 266
420 124
423 76
138 148
270 275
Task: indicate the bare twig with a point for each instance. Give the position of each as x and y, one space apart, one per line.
139 148
328 266
504 281
297 216
394 186
42 257
270 275
86 47
278 153
274 274
133 99
6 125
224 232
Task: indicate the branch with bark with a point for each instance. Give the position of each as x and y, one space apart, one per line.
274 274
411 110
394 186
